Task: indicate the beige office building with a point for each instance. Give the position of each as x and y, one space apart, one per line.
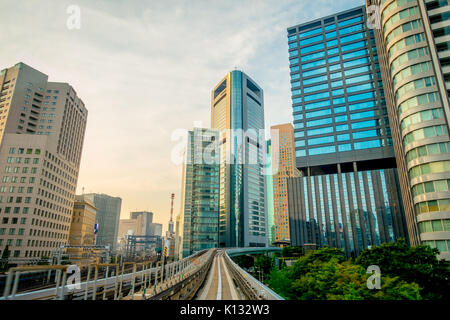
82 229
42 126
130 227
413 42
283 165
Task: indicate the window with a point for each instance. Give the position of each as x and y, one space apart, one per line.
367 144
318 113
311 40
321 140
350 21
321 150
365 134
315 47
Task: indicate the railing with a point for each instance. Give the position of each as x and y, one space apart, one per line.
111 286
250 287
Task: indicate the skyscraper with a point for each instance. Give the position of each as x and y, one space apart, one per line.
147 220
41 133
200 193
412 38
284 160
108 216
347 195
237 111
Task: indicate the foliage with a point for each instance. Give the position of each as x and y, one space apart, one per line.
245 262
411 264
314 278
290 252
263 264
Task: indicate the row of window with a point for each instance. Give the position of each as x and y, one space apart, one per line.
432 206
22 151
393 6
406 27
429 168
415 85
412 70
425 133
416 101
400 16
408 41
432 186
342 148
422 116
430 149
441 245
410 55
329 27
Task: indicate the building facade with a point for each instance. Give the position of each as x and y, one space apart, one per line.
108 216
269 195
413 41
42 130
237 112
342 138
200 193
82 229
285 167
146 221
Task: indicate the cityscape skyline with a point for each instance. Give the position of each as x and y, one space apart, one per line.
305 148
95 42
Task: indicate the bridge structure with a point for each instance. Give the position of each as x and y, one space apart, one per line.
205 275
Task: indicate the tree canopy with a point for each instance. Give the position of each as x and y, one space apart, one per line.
406 274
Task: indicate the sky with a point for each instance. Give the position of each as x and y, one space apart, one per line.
145 69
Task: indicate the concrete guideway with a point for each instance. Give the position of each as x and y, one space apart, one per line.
219 284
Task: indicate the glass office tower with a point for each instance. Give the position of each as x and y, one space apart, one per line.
413 41
237 111
200 193
347 195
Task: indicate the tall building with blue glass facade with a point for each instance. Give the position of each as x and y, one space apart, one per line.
348 193
199 194
237 112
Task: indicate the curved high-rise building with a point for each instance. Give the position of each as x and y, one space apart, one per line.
412 38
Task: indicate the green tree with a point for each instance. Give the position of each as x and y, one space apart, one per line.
263 264
290 252
411 264
245 261
303 264
335 280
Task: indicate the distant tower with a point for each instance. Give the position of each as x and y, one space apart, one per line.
171 228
